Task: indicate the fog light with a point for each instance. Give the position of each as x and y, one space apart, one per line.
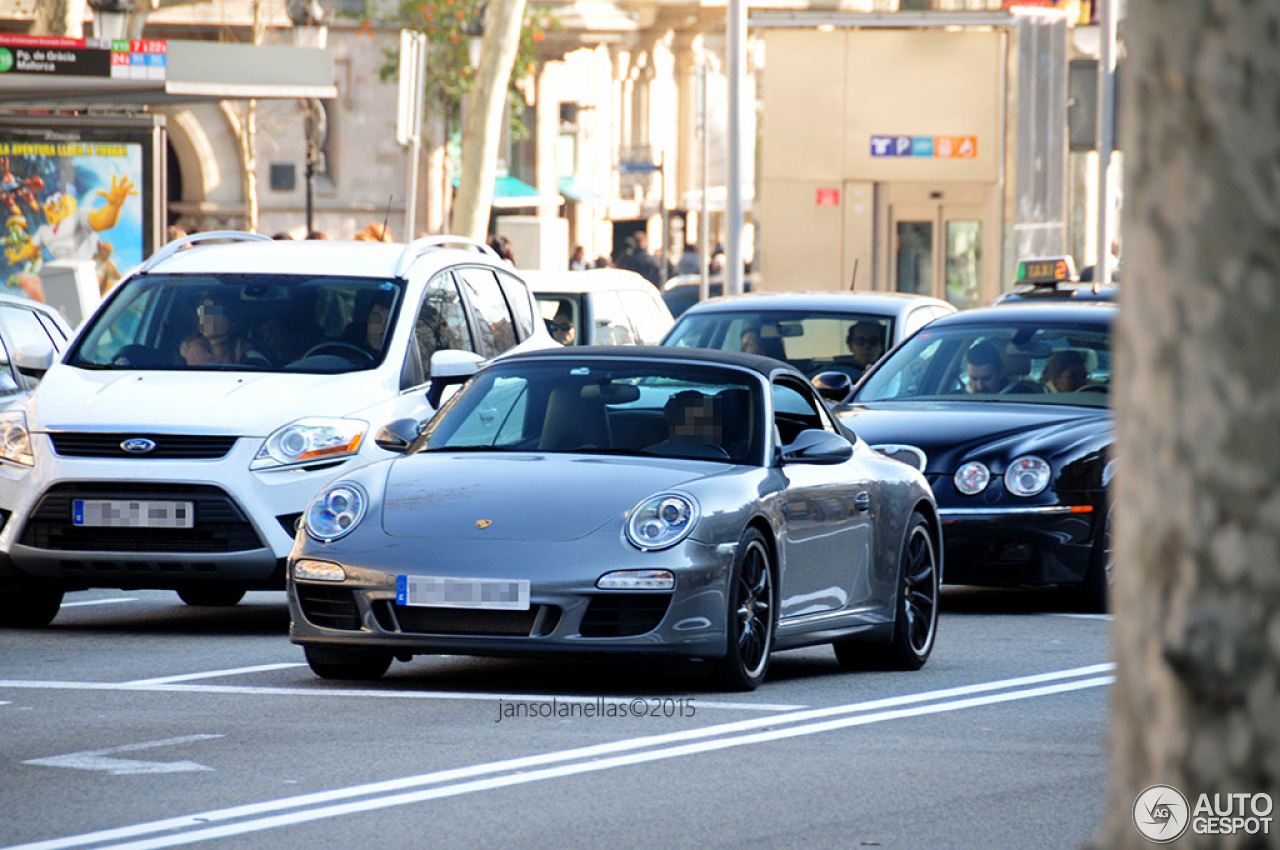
637 580
318 571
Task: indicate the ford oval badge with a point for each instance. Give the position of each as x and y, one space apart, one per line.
138 445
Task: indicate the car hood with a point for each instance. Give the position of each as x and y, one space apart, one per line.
238 403
522 496
949 433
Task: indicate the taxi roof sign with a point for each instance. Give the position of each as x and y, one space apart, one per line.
1046 270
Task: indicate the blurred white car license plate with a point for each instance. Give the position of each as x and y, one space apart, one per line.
442 592
121 513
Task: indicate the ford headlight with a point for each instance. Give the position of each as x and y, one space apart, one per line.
335 511
661 521
15 439
1027 476
309 441
972 478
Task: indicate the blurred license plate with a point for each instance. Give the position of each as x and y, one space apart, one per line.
440 592
121 513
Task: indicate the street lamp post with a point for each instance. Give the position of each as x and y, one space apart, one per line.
111 18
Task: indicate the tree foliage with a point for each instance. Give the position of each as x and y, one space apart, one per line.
449 26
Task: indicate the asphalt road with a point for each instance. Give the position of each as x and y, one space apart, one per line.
135 721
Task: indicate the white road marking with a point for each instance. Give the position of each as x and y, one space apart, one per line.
1088 616
102 760
216 674
466 780
112 601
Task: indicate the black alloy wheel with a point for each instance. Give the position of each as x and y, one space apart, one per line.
752 615
915 623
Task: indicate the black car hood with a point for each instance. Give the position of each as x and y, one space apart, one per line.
950 433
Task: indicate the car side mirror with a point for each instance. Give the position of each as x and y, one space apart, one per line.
450 368
34 356
835 387
398 436
817 447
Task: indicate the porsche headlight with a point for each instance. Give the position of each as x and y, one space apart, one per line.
972 478
15 439
1027 476
335 511
661 521
310 440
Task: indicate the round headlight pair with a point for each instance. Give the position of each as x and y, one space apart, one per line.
661 521
1026 476
335 511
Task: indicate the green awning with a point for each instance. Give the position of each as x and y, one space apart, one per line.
513 193
575 190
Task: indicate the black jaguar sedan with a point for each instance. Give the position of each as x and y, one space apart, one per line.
1006 411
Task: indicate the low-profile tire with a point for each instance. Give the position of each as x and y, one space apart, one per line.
915 622
1091 595
29 607
340 662
211 597
752 616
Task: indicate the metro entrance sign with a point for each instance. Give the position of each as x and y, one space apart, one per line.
139 59
938 147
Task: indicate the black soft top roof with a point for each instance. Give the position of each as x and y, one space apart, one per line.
765 366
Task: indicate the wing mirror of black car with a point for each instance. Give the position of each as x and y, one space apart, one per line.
450 368
819 447
398 436
835 387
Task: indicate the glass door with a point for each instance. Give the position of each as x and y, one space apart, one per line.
932 242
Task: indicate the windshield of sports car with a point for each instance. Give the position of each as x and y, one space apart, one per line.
635 408
1024 364
244 322
812 342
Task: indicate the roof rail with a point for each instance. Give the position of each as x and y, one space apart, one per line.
418 247
171 248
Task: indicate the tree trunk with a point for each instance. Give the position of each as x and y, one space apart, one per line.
1197 594
482 123
59 17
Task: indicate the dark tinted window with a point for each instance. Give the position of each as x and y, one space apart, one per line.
518 300
495 332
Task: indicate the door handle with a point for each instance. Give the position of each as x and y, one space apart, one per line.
862 502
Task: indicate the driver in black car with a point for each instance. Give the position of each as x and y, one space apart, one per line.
985 369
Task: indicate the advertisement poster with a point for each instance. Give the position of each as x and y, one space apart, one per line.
68 196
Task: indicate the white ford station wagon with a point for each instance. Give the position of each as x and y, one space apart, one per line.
214 392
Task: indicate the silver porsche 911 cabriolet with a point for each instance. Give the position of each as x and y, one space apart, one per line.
632 501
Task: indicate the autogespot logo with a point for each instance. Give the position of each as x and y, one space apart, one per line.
1161 813
6 59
